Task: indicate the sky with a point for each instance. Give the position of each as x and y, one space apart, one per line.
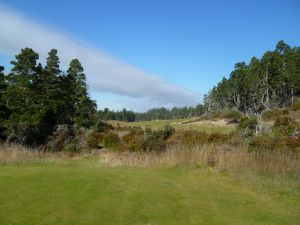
144 54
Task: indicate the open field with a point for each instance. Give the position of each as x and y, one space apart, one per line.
185 124
87 191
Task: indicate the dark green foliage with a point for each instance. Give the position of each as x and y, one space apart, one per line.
111 140
80 108
4 111
156 140
35 100
102 126
152 114
267 83
234 115
167 131
23 101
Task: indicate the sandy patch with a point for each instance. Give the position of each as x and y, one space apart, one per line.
221 122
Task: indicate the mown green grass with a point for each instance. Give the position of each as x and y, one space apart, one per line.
87 192
177 124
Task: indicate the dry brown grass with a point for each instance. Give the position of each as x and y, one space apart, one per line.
14 153
217 157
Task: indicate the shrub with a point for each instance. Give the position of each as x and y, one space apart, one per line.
102 126
265 142
247 125
94 139
136 131
133 143
61 137
71 147
155 143
286 126
154 140
217 137
167 131
111 140
234 115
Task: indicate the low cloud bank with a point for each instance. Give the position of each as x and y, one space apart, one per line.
104 72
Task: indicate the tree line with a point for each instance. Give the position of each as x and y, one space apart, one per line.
267 83
34 99
152 114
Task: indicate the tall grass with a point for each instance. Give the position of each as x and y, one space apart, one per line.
14 153
220 157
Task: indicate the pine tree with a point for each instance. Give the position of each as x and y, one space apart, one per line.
22 101
49 91
80 106
4 112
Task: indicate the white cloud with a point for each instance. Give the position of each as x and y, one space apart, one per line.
104 72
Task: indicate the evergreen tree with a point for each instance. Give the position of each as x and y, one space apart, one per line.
50 90
80 106
4 112
22 101
264 84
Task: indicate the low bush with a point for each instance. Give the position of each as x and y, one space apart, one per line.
247 125
284 135
286 126
102 126
111 140
62 137
94 139
71 147
234 115
167 132
154 143
265 142
134 140
154 140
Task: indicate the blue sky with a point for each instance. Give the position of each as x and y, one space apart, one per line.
185 47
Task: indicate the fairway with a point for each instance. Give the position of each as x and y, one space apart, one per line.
86 191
